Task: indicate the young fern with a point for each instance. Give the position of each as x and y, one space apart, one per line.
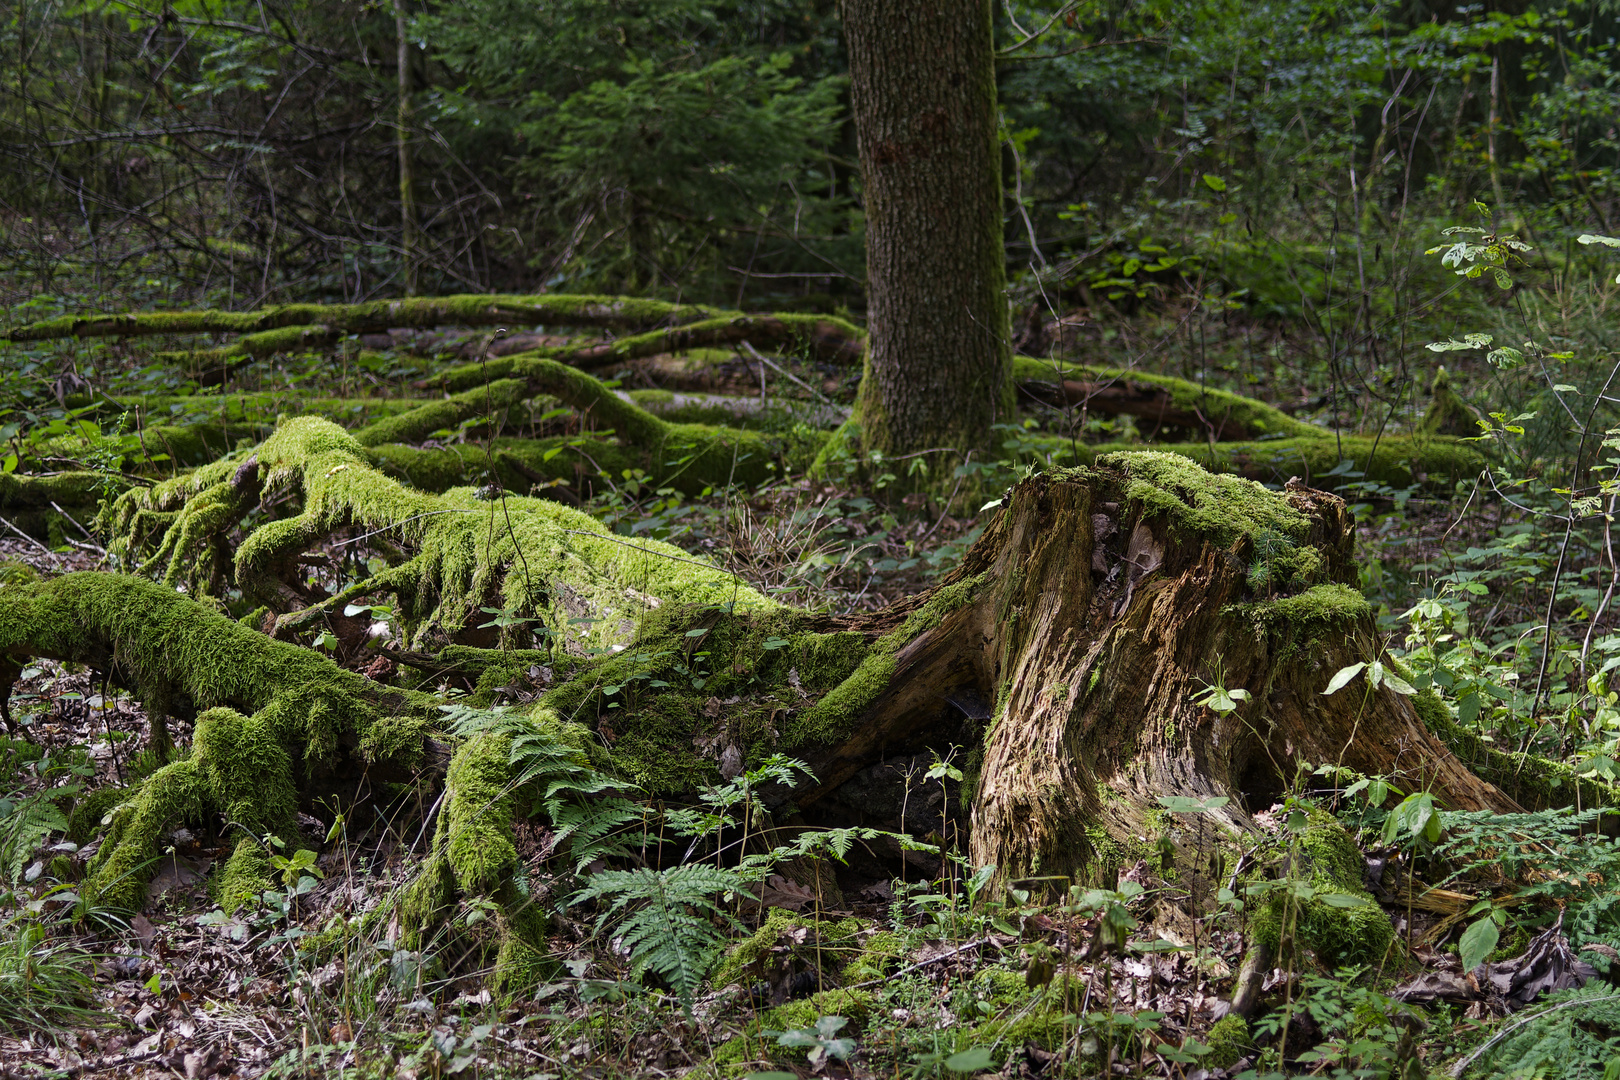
26 822
1573 1034
670 928
586 807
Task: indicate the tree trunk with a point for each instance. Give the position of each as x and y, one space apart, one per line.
409 239
923 93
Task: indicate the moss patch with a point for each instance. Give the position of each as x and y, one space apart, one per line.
246 874
1228 1041
1346 928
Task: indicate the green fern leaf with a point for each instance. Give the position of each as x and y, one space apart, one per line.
669 919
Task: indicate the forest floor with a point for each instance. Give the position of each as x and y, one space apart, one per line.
896 967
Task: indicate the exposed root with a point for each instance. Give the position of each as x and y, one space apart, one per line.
606 312
272 717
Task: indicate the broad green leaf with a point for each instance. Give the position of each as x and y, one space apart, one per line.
1342 900
1594 238
1214 183
1398 684
1478 942
1342 678
976 1057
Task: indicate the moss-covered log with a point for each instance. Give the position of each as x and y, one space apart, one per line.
819 336
1398 461
604 312
543 561
1156 401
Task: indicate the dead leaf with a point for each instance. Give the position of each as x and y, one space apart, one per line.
785 893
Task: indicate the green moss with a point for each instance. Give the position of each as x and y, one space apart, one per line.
18 492
126 861
398 740
1225 409
1045 1025
247 771
1202 503
545 559
1397 460
1357 933
427 901
1318 612
89 809
262 702
475 827
854 1005
829 942
1228 1041
489 402
521 960
879 952
1001 986
246 874
616 312
836 713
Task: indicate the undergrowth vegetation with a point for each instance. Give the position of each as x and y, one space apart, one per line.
1348 248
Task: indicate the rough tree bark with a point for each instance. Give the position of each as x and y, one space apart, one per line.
923 96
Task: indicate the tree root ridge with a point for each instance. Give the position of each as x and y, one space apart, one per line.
605 312
272 718
546 563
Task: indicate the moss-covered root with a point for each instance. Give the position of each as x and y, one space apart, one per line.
474 859
176 651
605 312
538 558
827 339
1339 921
687 455
189 550
1226 432
245 875
1158 401
270 713
239 770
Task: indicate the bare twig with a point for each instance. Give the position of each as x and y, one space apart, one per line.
53 555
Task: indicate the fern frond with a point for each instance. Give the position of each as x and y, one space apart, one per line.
29 821
586 806
589 828
670 928
1573 1034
